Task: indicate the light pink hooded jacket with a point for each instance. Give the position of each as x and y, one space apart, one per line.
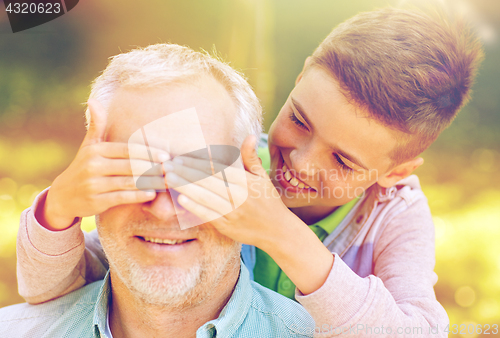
381 283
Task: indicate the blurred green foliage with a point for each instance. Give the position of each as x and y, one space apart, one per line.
45 74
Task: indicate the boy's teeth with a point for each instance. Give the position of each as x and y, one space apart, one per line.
164 241
292 180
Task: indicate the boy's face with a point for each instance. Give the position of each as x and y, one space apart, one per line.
325 150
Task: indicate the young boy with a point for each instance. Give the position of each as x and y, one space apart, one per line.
351 228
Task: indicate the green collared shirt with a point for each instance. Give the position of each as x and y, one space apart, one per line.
266 271
252 311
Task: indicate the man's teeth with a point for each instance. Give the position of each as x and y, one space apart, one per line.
165 241
293 180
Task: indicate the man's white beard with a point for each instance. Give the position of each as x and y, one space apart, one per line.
158 285
172 286
163 285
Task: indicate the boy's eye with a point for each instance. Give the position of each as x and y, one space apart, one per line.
342 164
297 121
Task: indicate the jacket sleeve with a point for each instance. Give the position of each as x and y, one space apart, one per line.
51 264
398 300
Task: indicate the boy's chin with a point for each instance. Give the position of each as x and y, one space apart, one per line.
298 202
292 202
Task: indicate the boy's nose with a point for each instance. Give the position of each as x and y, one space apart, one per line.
162 207
305 162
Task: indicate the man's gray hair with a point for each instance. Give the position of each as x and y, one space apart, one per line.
162 64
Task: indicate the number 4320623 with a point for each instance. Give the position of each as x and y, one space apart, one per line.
40 8
472 329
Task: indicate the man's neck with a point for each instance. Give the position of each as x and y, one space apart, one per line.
131 317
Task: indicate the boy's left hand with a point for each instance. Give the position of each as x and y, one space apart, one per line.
262 220
259 221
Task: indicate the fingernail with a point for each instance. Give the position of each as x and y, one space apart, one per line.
163 157
150 193
168 167
177 160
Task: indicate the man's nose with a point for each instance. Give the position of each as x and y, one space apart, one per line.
162 207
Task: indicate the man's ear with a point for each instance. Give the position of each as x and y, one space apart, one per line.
306 63
401 171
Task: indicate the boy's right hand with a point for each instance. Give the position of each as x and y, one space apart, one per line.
100 177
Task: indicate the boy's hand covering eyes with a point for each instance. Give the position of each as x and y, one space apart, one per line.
253 222
100 177
262 220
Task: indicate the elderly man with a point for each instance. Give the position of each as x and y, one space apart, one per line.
162 281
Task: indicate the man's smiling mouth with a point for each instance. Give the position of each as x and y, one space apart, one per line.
164 240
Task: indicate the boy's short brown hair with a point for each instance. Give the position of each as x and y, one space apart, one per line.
412 71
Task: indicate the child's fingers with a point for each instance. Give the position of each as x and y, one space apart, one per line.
132 151
250 158
118 183
194 170
111 199
214 184
202 212
217 202
188 173
119 167
203 165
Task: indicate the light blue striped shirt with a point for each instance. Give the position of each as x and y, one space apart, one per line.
252 311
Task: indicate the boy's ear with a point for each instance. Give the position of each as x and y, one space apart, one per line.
306 63
401 171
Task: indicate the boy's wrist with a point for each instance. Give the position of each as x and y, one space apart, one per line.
277 244
48 217
301 256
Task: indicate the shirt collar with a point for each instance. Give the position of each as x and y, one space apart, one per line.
228 322
235 311
330 222
101 308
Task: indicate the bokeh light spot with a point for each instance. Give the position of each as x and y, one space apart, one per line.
440 229
88 224
27 194
465 296
488 308
8 186
7 205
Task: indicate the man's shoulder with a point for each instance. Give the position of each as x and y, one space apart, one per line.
26 320
277 315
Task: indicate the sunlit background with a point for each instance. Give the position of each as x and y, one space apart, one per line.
45 74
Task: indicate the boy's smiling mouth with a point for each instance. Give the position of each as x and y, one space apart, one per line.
288 180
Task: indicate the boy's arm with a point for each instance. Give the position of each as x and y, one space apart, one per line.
53 257
399 295
53 263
